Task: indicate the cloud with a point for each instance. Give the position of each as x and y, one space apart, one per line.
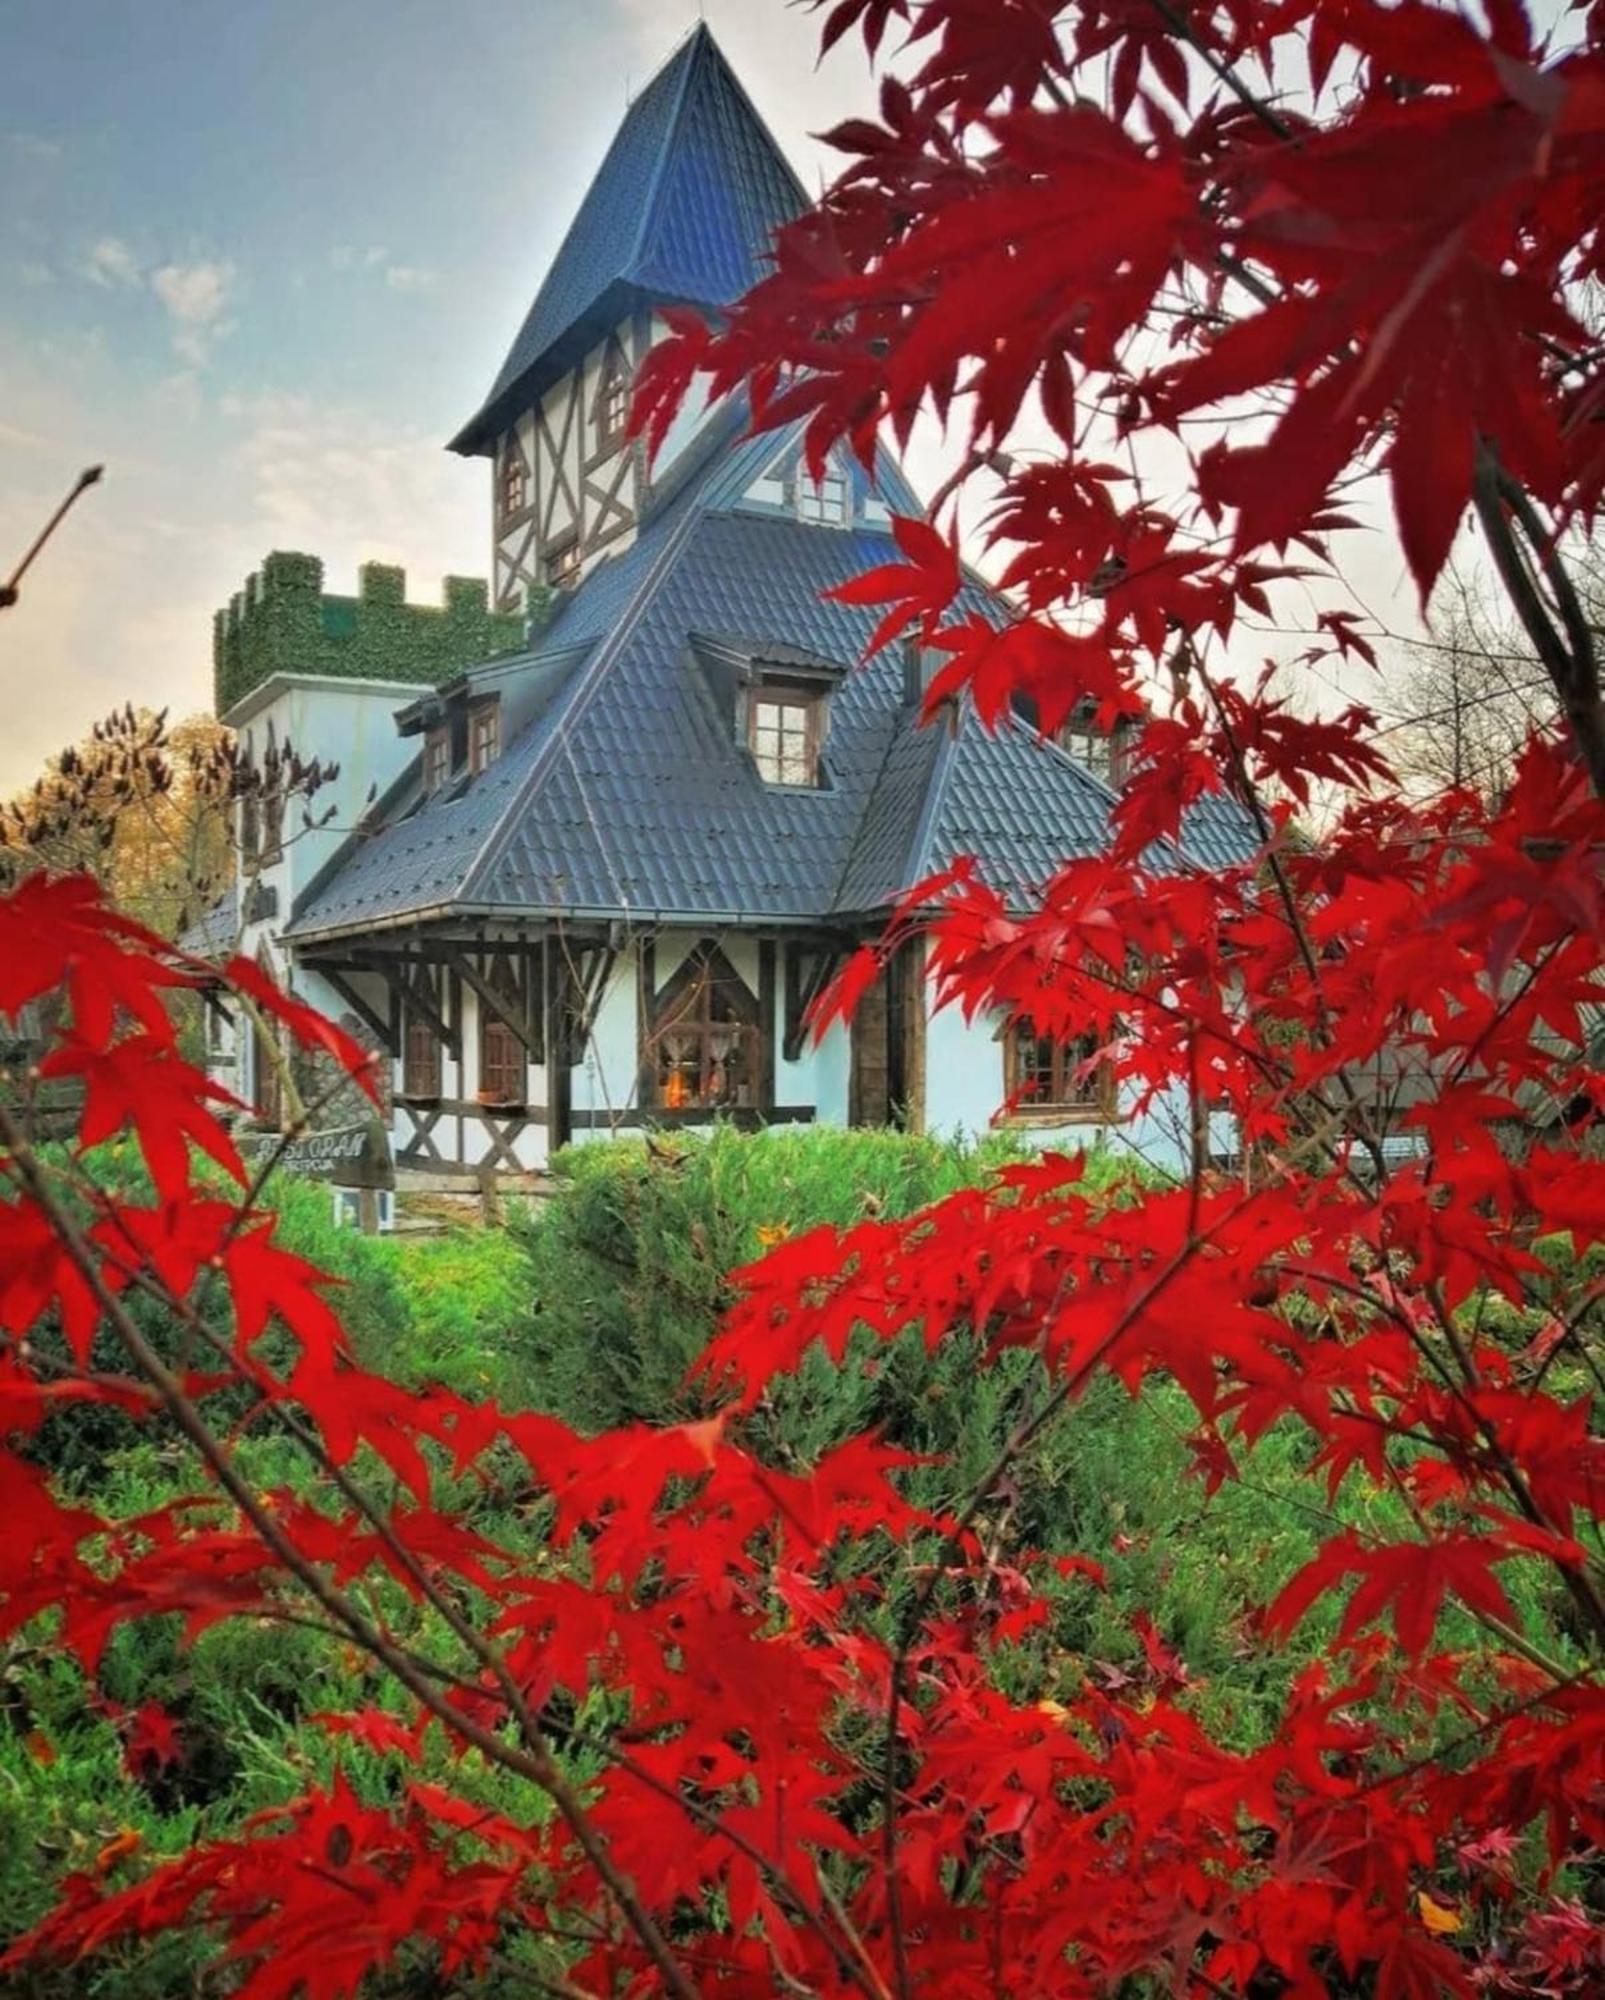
411 278
34 146
111 262
196 296
347 257
399 276
34 275
349 484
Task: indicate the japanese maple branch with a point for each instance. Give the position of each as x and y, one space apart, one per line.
1567 649
538 1766
1019 1440
848 1950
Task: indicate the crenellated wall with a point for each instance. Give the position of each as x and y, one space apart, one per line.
285 622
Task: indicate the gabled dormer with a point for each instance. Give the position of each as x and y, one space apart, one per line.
682 211
841 497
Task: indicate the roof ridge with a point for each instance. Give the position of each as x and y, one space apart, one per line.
586 683
694 43
946 752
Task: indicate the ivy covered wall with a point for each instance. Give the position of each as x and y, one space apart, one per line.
284 622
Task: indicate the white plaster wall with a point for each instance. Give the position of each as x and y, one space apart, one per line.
345 723
603 1084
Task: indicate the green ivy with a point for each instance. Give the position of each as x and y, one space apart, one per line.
284 622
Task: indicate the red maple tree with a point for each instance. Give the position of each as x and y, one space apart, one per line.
807 1775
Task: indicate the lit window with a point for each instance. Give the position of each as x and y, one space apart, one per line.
437 758
705 1045
513 490
830 502
1065 1077
785 738
563 564
484 735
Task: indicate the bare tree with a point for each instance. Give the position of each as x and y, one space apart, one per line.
1466 699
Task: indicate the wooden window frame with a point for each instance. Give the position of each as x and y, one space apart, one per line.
270 848
503 1058
267 1085
563 563
682 1038
1092 1102
1076 739
512 483
811 505
422 1057
250 829
611 411
484 734
812 705
437 758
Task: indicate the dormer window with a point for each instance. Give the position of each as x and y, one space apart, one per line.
1104 752
829 503
784 727
513 483
437 758
613 399
484 734
563 564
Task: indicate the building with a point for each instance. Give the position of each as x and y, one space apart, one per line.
608 866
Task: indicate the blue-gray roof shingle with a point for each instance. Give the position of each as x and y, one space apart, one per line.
682 209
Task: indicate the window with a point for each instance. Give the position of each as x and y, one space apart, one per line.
704 1049
1044 1074
420 1053
563 564
513 481
484 734
1103 751
265 1086
272 829
613 399
784 735
437 758
502 1061
830 502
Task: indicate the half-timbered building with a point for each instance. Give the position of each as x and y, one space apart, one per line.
603 874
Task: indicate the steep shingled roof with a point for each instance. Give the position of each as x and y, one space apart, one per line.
682 209
631 793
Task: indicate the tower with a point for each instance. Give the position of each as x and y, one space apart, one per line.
681 212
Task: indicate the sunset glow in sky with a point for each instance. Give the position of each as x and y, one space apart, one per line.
262 259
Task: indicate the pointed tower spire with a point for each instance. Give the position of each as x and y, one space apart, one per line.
682 211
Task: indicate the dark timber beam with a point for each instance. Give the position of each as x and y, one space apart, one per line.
504 1010
416 995
766 1022
388 1031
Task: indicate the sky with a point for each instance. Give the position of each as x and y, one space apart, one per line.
261 258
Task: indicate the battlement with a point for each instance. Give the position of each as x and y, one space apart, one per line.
285 622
